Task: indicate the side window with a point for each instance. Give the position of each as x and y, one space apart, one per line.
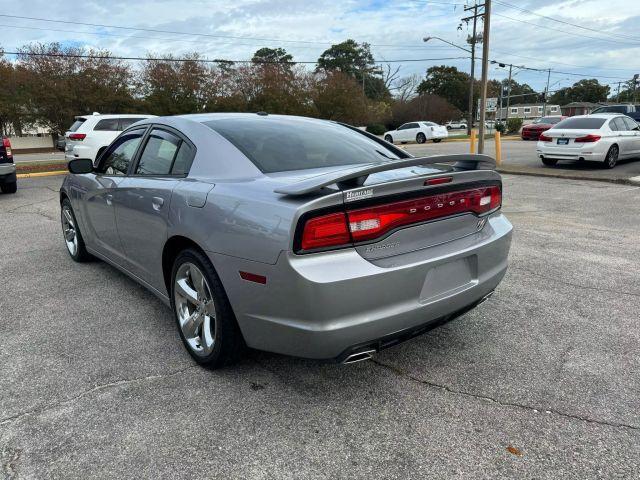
127 122
158 154
116 160
107 124
617 125
405 126
182 163
413 125
630 123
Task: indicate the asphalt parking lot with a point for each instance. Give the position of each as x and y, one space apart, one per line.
542 381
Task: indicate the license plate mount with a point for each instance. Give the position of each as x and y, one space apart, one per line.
563 141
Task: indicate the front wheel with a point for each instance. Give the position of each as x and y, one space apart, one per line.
612 157
549 162
420 138
71 233
9 187
205 319
449 127
388 138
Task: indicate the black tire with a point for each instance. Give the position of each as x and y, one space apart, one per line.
611 159
420 138
437 140
448 127
228 346
549 162
9 187
80 254
463 127
388 138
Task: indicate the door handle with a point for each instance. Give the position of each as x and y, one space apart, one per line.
109 199
157 202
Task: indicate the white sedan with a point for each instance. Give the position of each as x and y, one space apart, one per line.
604 138
418 132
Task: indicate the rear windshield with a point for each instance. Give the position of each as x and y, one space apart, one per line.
613 109
76 124
581 123
278 144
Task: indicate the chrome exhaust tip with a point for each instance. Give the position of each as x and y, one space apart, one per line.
359 357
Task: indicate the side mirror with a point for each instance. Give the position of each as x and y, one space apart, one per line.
80 165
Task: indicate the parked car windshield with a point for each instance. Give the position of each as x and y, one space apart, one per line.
581 123
551 120
281 144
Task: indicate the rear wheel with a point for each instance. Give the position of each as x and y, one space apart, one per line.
420 138
9 187
612 157
388 138
71 233
549 162
203 314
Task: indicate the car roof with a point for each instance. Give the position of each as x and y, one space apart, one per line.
604 115
114 115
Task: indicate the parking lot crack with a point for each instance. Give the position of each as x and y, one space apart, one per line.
445 388
68 401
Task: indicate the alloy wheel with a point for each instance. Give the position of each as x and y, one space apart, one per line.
612 157
69 230
195 308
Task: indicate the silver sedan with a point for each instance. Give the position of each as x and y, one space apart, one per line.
293 235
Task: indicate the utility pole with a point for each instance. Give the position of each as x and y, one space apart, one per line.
546 94
473 63
485 73
618 94
509 92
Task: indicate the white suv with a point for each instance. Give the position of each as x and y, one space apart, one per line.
90 134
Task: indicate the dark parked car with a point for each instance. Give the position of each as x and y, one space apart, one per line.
8 182
539 125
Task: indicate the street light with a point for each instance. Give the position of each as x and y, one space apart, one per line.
471 79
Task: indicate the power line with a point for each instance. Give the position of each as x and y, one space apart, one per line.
562 31
196 34
564 22
204 60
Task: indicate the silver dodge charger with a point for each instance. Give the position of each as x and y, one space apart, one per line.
293 235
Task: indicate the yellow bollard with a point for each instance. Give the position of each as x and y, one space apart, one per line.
473 142
498 148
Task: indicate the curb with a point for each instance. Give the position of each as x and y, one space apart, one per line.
617 181
42 174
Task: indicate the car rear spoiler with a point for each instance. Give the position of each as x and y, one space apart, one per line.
356 176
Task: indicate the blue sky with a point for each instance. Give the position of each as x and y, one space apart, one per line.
609 51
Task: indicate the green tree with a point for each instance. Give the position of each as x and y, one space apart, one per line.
448 83
587 90
272 55
356 61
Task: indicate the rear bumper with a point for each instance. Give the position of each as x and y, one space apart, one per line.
7 172
576 154
325 305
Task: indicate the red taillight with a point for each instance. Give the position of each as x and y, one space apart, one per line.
373 222
325 231
588 138
544 138
6 143
340 229
77 136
